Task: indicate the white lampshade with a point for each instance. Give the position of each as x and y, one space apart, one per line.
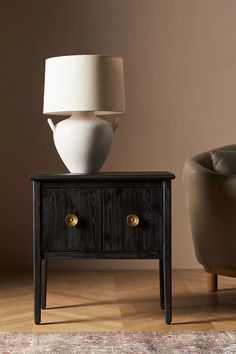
84 83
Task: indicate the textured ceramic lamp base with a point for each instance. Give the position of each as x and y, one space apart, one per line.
83 141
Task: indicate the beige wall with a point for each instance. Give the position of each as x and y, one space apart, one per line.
180 66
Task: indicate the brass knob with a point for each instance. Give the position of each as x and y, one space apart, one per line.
71 220
132 220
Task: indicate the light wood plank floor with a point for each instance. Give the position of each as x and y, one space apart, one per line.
116 301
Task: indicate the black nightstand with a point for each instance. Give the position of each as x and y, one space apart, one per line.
113 215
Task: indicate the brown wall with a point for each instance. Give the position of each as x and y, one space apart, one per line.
180 66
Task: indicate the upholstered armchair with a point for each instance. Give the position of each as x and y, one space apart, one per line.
211 198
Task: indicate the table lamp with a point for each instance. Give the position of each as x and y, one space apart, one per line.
84 87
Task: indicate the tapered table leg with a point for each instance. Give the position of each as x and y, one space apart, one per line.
161 284
44 283
37 291
167 288
37 253
167 252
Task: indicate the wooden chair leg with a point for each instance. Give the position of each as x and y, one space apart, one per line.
212 282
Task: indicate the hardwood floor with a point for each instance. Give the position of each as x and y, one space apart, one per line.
116 301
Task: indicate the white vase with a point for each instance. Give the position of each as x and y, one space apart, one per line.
83 141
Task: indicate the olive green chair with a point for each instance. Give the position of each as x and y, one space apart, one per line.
211 199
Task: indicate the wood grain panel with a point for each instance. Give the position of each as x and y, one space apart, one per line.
85 203
146 203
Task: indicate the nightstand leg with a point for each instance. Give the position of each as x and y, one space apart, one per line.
37 290
167 252
161 284
37 264
167 288
44 283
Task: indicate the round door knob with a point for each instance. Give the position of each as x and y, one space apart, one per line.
71 220
132 220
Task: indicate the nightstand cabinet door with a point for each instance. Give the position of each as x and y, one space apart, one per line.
132 219
71 219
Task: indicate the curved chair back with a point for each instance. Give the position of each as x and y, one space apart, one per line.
211 199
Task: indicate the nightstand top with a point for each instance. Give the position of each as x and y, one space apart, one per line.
136 175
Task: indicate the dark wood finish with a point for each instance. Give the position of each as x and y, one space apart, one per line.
161 284
85 203
104 176
167 251
37 251
102 201
118 203
104 255
44 283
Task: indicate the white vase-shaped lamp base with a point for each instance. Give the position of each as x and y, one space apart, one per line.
83 141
